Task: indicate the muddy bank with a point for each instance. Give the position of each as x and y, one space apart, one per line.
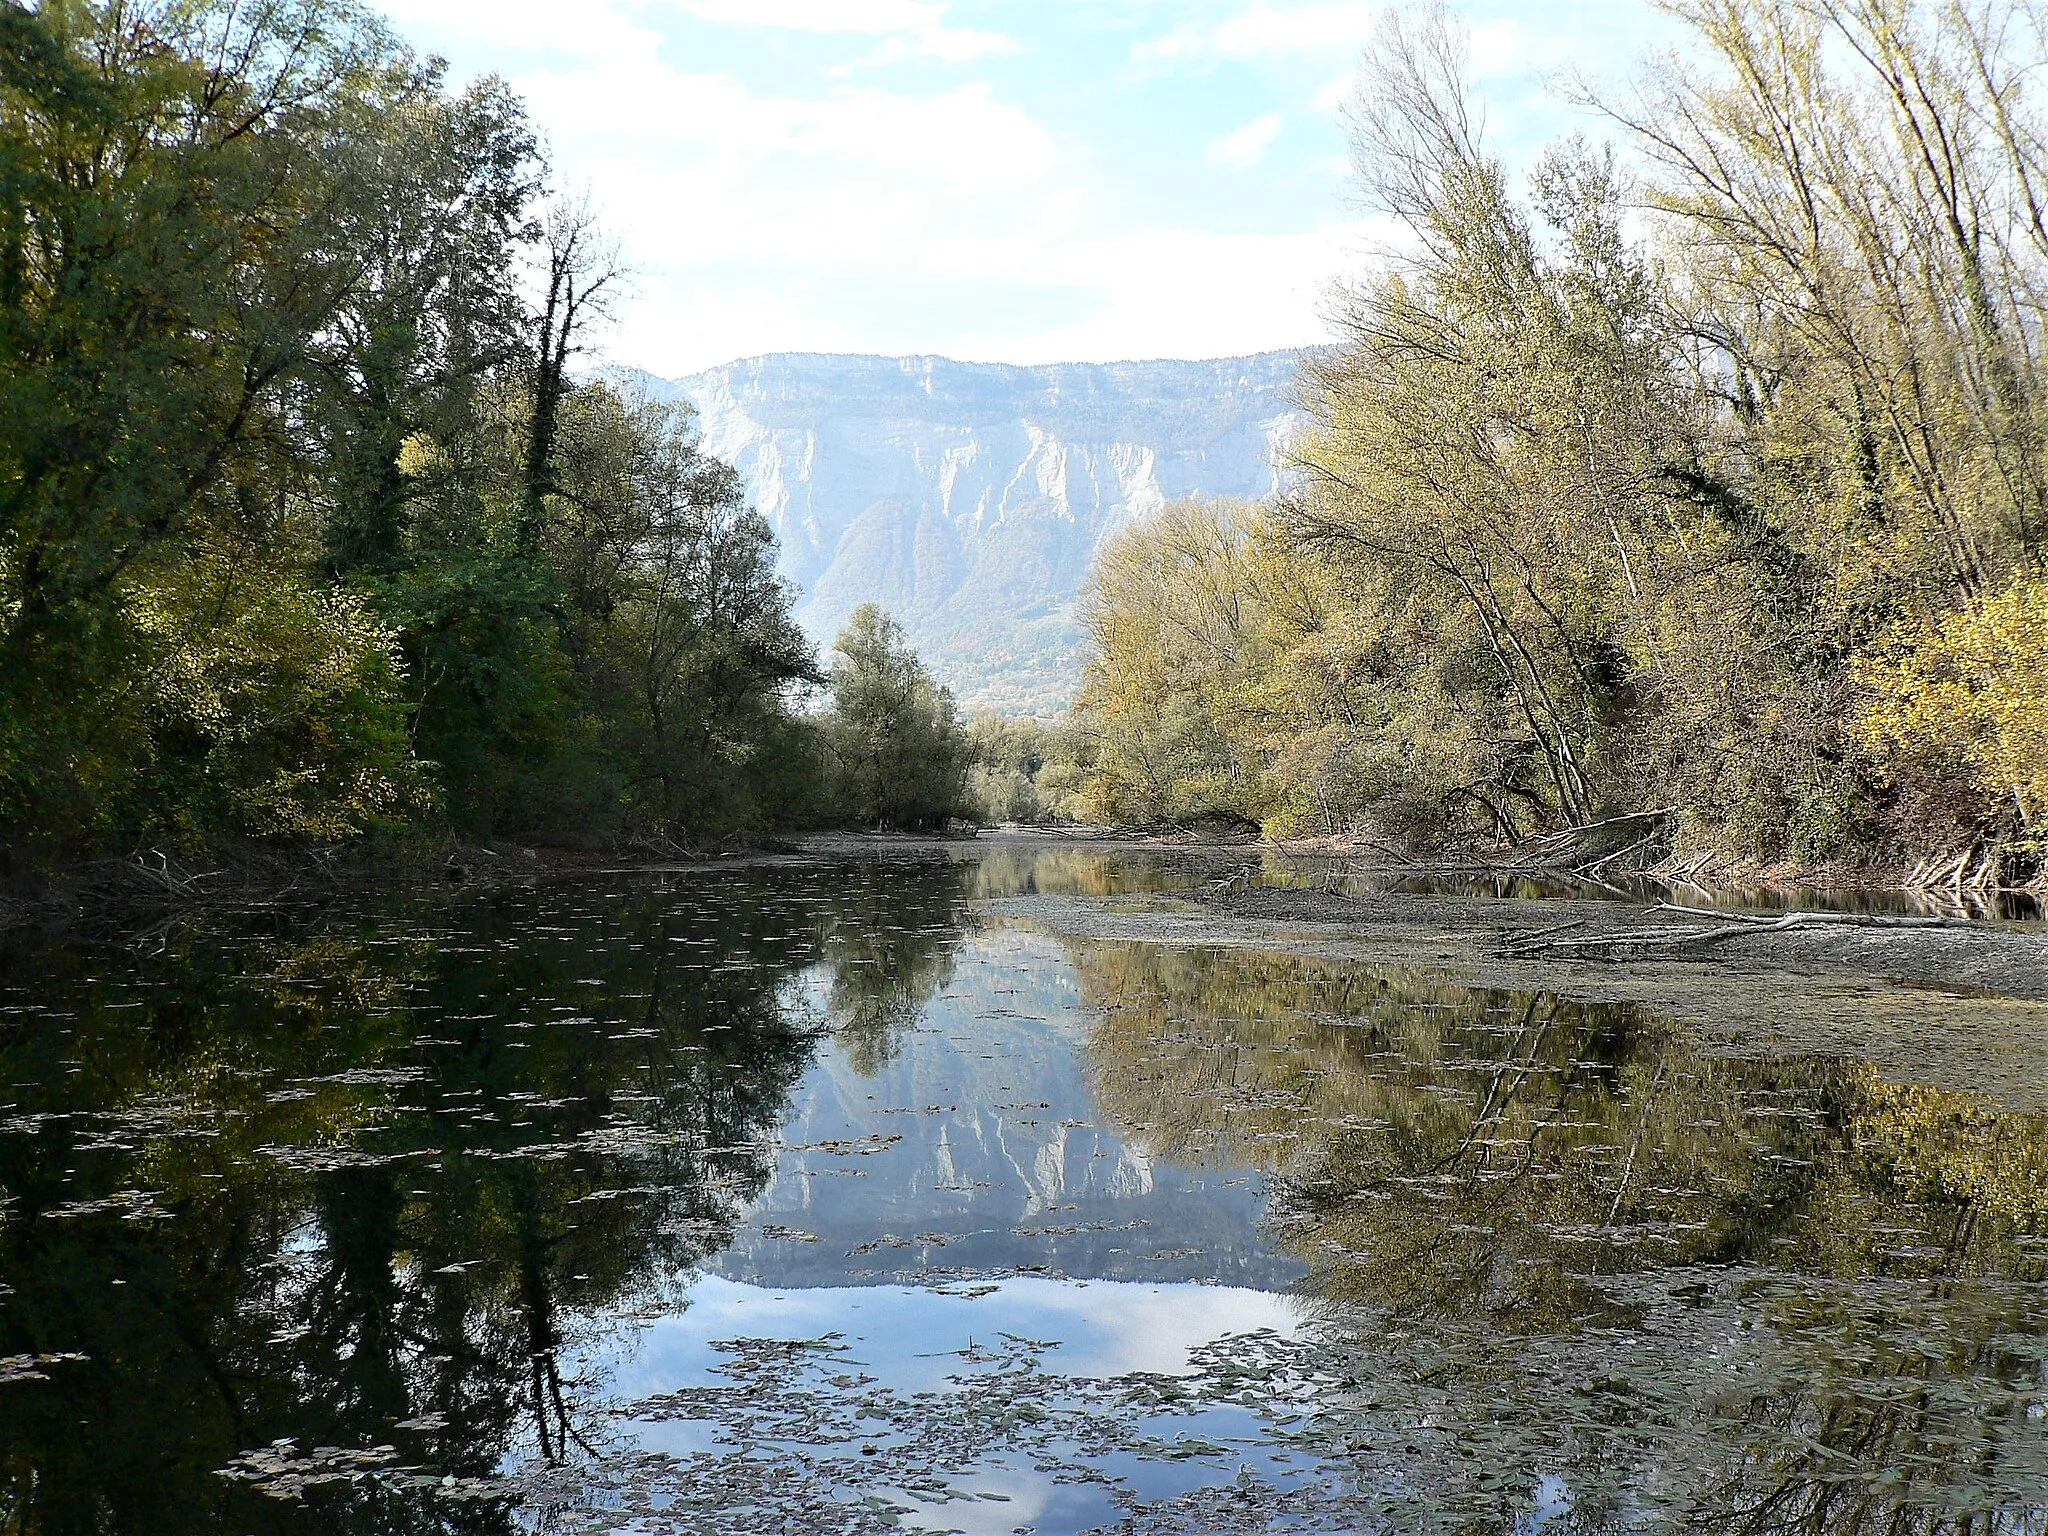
2009 959
1966 1008
116 894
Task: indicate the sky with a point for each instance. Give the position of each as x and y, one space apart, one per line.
994 180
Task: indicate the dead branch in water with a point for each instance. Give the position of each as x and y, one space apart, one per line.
1638 943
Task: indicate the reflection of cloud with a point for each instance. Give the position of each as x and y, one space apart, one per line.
907 1336
1247 146
908 1339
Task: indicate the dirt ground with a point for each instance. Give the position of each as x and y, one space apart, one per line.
2009 959
1964 1007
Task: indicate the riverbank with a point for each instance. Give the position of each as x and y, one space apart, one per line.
1207 890
1963 1007
1505 937
154 884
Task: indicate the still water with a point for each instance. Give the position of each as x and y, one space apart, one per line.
803 1199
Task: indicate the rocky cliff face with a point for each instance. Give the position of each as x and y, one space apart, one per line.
969 499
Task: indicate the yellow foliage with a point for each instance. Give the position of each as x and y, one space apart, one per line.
1172 612
420 457
1973 687
1952 1146
285 696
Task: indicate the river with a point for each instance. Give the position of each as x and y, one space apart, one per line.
809 1196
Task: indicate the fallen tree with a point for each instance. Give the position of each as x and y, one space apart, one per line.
1721 928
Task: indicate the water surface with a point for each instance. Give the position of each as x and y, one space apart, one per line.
799 1199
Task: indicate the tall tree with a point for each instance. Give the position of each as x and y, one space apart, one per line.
899 752
172 245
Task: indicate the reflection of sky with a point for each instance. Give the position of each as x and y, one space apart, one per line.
979 1147
910 1338
977 1136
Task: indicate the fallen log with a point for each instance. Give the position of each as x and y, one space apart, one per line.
1581 849
1838 919
1637 943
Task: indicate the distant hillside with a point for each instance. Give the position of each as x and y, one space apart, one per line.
970 498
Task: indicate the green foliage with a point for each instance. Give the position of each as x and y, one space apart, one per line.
899 755
169 242
678 626
304 529
1026 770
273 706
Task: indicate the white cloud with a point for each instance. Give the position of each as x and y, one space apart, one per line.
911 31
1502 46
1247 146
1508 49
871 16
760 215
947 45
602 31
1268 30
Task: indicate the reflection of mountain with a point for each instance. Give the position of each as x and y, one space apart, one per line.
969 498
993 1103
292 1196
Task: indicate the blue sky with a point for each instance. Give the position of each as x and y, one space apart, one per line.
1004 180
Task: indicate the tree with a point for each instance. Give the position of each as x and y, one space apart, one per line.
677 623
172 244
395 387
898 750
305 527
1595 520
1171 609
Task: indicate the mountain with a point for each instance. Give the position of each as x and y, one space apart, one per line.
969 498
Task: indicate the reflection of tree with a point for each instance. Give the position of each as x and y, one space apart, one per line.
1055 871
890 936
1712 1293
394 1172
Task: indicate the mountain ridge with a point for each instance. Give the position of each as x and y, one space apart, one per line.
970 498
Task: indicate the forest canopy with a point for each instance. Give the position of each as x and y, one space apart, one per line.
1701 472
314 518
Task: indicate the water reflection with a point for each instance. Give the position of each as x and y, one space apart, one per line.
799 1200
1559 1242
313 1203
890 937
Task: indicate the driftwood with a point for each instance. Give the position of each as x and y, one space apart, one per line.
1588 849
164 876
1636 943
